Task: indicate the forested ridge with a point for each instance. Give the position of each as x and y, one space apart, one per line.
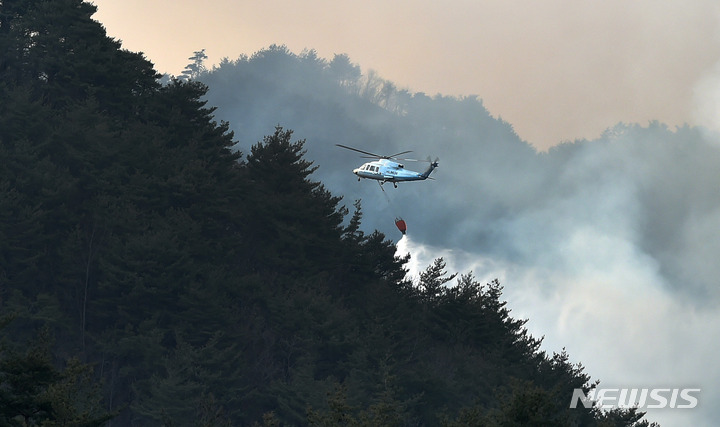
151 275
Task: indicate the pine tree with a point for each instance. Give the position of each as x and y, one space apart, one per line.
55 48
34 392
297 221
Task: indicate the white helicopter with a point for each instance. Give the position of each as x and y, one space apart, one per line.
387 168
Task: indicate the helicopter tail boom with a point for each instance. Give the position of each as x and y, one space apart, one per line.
429 170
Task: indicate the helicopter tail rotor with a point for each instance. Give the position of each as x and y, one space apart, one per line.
433 165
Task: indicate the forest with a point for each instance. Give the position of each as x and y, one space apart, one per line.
152 273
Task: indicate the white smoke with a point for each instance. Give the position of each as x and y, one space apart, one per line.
610 314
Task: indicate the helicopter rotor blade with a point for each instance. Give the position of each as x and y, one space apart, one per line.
361 151
394 156
373 155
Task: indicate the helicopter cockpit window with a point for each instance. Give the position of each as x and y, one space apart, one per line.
401 166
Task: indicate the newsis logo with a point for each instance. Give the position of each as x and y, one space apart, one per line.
642 398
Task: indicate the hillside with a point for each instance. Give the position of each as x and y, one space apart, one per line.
150 274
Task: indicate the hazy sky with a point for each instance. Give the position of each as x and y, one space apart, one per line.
556 69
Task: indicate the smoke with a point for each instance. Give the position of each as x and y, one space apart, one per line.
613 258
602 299
608 246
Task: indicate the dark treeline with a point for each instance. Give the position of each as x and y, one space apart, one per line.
149 275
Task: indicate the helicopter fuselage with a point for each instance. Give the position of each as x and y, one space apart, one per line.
385 170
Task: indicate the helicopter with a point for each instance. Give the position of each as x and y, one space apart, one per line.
388 168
